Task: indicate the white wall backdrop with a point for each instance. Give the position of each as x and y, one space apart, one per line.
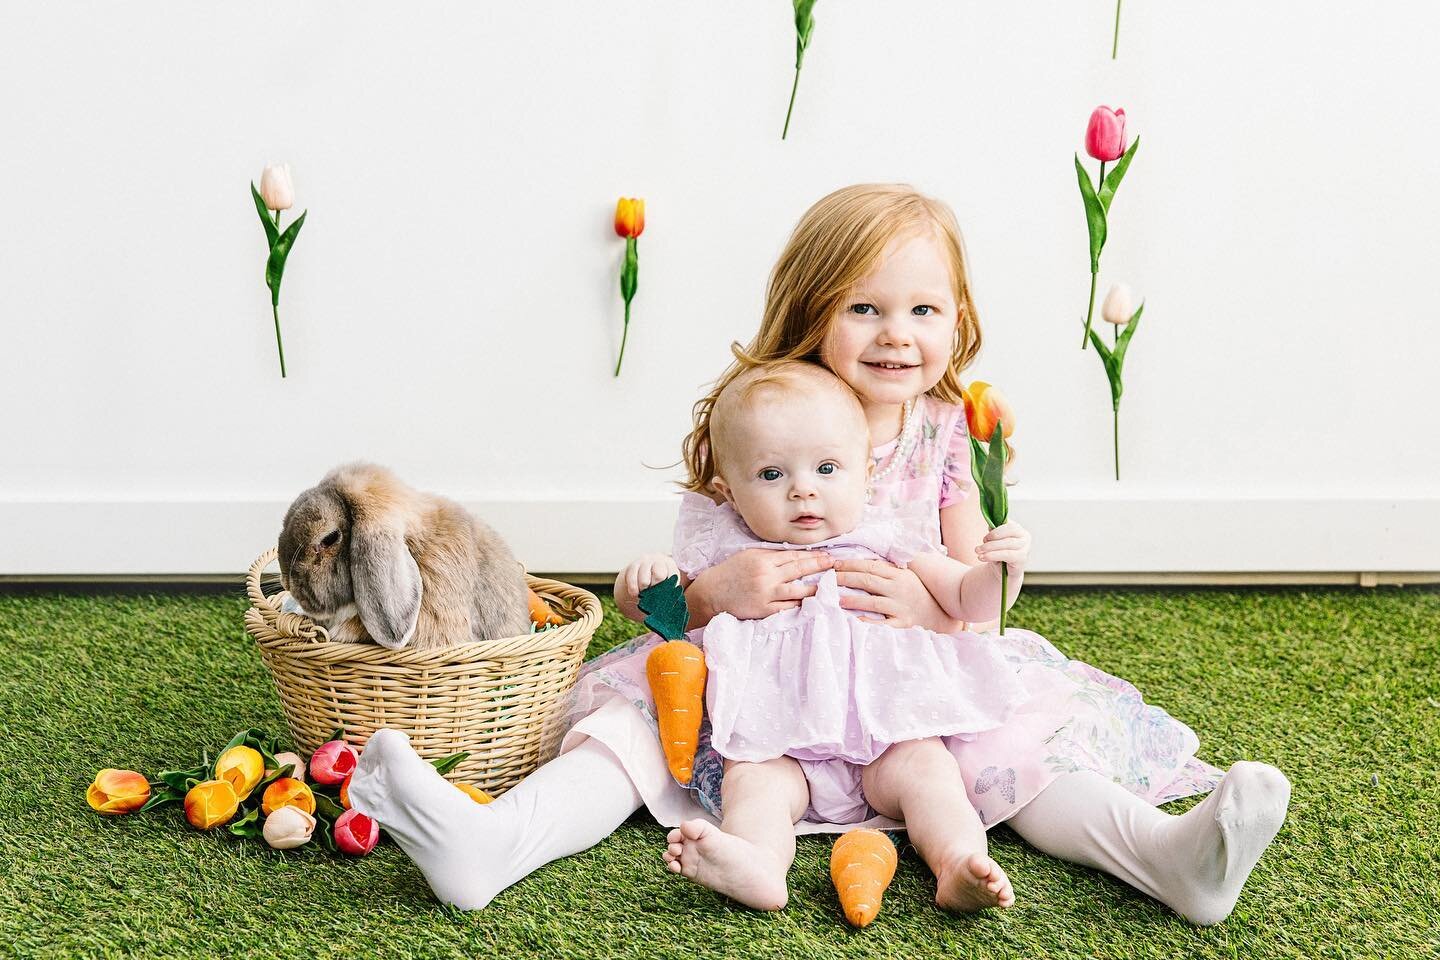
451 308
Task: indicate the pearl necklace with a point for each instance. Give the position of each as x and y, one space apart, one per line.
902 447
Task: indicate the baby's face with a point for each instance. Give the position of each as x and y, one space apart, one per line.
797 469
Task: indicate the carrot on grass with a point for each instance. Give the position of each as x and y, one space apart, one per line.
862 864
676 671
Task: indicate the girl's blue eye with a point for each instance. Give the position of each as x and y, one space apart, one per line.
860 308
826 468
929 310
769 473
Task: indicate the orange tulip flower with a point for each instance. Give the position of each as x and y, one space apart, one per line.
287 792
984 405
117 791
242 767
630 217
210 804
474 793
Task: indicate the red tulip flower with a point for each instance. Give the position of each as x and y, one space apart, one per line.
356 833
1105 136
333 762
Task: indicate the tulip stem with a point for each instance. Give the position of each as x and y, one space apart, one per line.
1004 592
1089 313
623 337
1117 441
275 309
1115 44
793 87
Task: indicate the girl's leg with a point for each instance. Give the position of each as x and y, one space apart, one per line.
748 856
469 852
1195 863
919 782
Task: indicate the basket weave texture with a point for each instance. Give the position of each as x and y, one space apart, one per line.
500 701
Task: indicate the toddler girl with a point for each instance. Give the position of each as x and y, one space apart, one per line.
816 692
873 285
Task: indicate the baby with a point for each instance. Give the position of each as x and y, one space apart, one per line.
817 694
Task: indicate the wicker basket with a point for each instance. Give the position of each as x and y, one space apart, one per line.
500 701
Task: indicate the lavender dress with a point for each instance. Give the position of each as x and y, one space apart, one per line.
1066 715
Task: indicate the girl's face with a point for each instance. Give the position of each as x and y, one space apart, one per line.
796 469
893 338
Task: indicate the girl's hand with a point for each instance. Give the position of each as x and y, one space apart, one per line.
754 583
648 570
1008 543
893 595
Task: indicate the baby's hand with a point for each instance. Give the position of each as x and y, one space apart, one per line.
1008 543
647 571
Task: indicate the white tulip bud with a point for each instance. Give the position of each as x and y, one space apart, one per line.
275 187
291 758
288 827
1118 307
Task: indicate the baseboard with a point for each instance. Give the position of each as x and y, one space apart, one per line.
1087 539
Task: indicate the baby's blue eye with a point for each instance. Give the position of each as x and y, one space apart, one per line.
860 308
826 468
927 308
769 473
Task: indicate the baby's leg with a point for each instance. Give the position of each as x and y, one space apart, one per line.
748 856
469 852
1195 863
919 782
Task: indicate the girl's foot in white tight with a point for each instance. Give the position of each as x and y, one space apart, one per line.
469 852
729 865
975 883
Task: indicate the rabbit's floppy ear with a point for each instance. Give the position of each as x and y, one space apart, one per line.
384 576
386 581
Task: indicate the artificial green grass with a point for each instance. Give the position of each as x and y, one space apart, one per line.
1337 687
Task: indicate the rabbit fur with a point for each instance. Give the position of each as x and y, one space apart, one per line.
369 558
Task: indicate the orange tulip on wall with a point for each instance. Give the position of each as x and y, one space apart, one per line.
629 223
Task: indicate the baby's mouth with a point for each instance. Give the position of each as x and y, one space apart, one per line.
808 520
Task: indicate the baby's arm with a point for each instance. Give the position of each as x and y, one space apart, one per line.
648 570
972 593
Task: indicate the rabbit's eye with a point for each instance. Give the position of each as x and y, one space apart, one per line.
331 538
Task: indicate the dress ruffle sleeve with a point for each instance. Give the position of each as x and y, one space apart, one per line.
955 481
696 535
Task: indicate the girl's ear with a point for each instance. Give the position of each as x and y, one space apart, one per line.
721 487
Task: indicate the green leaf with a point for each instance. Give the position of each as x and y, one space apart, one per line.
275 266
326 807
1112 367
338 733
977 473
664 607
1094 214
158 798
445 764
804 26
629 274
248 825
1113 178
270 232
176 779
995 476
1123 343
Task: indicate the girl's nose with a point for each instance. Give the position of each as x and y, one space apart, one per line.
894 333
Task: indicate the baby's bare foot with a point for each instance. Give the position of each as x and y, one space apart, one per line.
727 864
975 883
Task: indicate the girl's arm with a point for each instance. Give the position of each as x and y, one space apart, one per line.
972 593
753 584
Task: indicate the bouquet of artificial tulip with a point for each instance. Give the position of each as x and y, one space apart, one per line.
261 793
1105 141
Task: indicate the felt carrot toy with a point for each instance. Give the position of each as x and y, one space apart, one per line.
862 864
676 671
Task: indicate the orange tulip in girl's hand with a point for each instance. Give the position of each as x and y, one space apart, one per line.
117 791
984 407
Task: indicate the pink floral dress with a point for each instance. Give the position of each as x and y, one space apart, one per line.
1065 715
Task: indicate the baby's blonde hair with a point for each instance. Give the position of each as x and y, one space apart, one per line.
836 244
787 377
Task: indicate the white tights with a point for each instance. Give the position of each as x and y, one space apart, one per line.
1195 863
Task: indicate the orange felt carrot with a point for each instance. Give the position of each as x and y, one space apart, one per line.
540 612
862 864
676 671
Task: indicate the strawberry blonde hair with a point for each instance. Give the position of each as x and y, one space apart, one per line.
836 244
